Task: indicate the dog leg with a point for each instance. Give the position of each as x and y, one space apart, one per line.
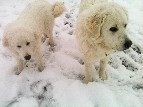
88 70
20 66
49 34
51 41
39 61
102 72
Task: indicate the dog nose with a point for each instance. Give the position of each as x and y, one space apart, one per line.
128 44
27 57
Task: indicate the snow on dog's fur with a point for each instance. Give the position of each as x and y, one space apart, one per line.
101 28
23 36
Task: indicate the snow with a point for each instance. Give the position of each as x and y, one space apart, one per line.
59 85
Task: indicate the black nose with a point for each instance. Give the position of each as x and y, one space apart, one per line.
128 44
27 57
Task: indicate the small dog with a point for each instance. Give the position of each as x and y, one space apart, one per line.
23 36
101 29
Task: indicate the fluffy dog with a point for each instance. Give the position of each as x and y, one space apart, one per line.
101 29
23 36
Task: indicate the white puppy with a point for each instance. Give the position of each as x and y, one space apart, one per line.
101 28
23 36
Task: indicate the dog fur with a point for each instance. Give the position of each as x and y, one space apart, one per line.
100 29
23 36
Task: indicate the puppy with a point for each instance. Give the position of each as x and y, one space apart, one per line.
23 36
101 29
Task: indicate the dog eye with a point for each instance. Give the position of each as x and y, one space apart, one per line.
125 25
27 43
19 46
113 29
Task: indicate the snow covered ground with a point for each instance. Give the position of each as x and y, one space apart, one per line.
59 85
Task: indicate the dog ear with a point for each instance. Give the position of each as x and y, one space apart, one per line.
94 23
5 42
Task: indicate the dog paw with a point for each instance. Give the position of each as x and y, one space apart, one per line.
81 61
103 76
41 68
17 70
86 81
17 73
52 44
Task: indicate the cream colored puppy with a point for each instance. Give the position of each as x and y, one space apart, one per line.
101 28
23 36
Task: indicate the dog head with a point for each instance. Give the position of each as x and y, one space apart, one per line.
108 23
22 43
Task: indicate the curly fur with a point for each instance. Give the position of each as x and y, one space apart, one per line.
23 36
95 39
